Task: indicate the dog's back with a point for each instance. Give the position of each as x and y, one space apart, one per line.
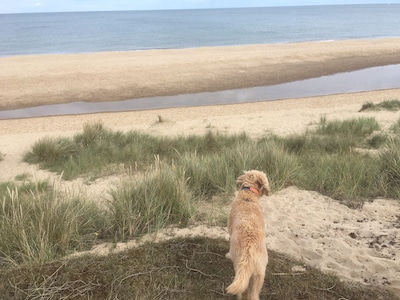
248 250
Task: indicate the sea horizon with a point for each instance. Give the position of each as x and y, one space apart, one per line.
211 8
118 31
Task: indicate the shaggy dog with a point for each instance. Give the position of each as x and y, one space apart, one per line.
246 228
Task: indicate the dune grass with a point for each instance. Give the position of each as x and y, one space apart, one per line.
98 151
151 202
173 176
168 179
193 268
324 160
39 224
395 128
387 105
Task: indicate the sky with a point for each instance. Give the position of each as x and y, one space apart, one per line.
29 6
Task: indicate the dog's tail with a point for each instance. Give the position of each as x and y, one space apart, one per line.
243 273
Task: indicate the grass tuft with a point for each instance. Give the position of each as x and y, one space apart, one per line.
151 202
39 224
359 128
395 128
389 175
387 105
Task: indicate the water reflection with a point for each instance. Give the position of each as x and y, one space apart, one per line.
377 78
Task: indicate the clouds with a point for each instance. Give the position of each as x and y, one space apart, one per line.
22 6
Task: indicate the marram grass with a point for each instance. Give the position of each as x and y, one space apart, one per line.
39 224
169 178
317 159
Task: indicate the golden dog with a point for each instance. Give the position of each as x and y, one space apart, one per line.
246 227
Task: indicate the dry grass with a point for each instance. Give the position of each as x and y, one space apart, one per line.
177 269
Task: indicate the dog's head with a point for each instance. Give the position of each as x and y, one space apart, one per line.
256 179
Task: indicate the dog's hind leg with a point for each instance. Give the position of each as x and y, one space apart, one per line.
248 292
253 292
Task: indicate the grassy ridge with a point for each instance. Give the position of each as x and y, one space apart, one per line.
177 269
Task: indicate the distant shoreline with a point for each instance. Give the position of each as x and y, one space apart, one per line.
14 55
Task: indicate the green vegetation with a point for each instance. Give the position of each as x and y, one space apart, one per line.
39 224
396 127
171 181
151 202
326 159
388 105
98 151
178 269
171 178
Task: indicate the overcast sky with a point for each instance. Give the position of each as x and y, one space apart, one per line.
23 6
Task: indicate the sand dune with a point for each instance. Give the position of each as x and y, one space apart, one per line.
358 244
361 245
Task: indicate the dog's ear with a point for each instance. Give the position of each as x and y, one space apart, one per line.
265 189
263 184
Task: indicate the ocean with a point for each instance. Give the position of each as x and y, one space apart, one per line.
80 32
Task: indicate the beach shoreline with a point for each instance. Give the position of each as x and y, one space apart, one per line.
35 80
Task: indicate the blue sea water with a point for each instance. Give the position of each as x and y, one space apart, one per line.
79 32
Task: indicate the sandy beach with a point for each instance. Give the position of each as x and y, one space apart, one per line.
361 245
48 79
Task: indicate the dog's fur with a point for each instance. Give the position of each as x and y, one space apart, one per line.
246 227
